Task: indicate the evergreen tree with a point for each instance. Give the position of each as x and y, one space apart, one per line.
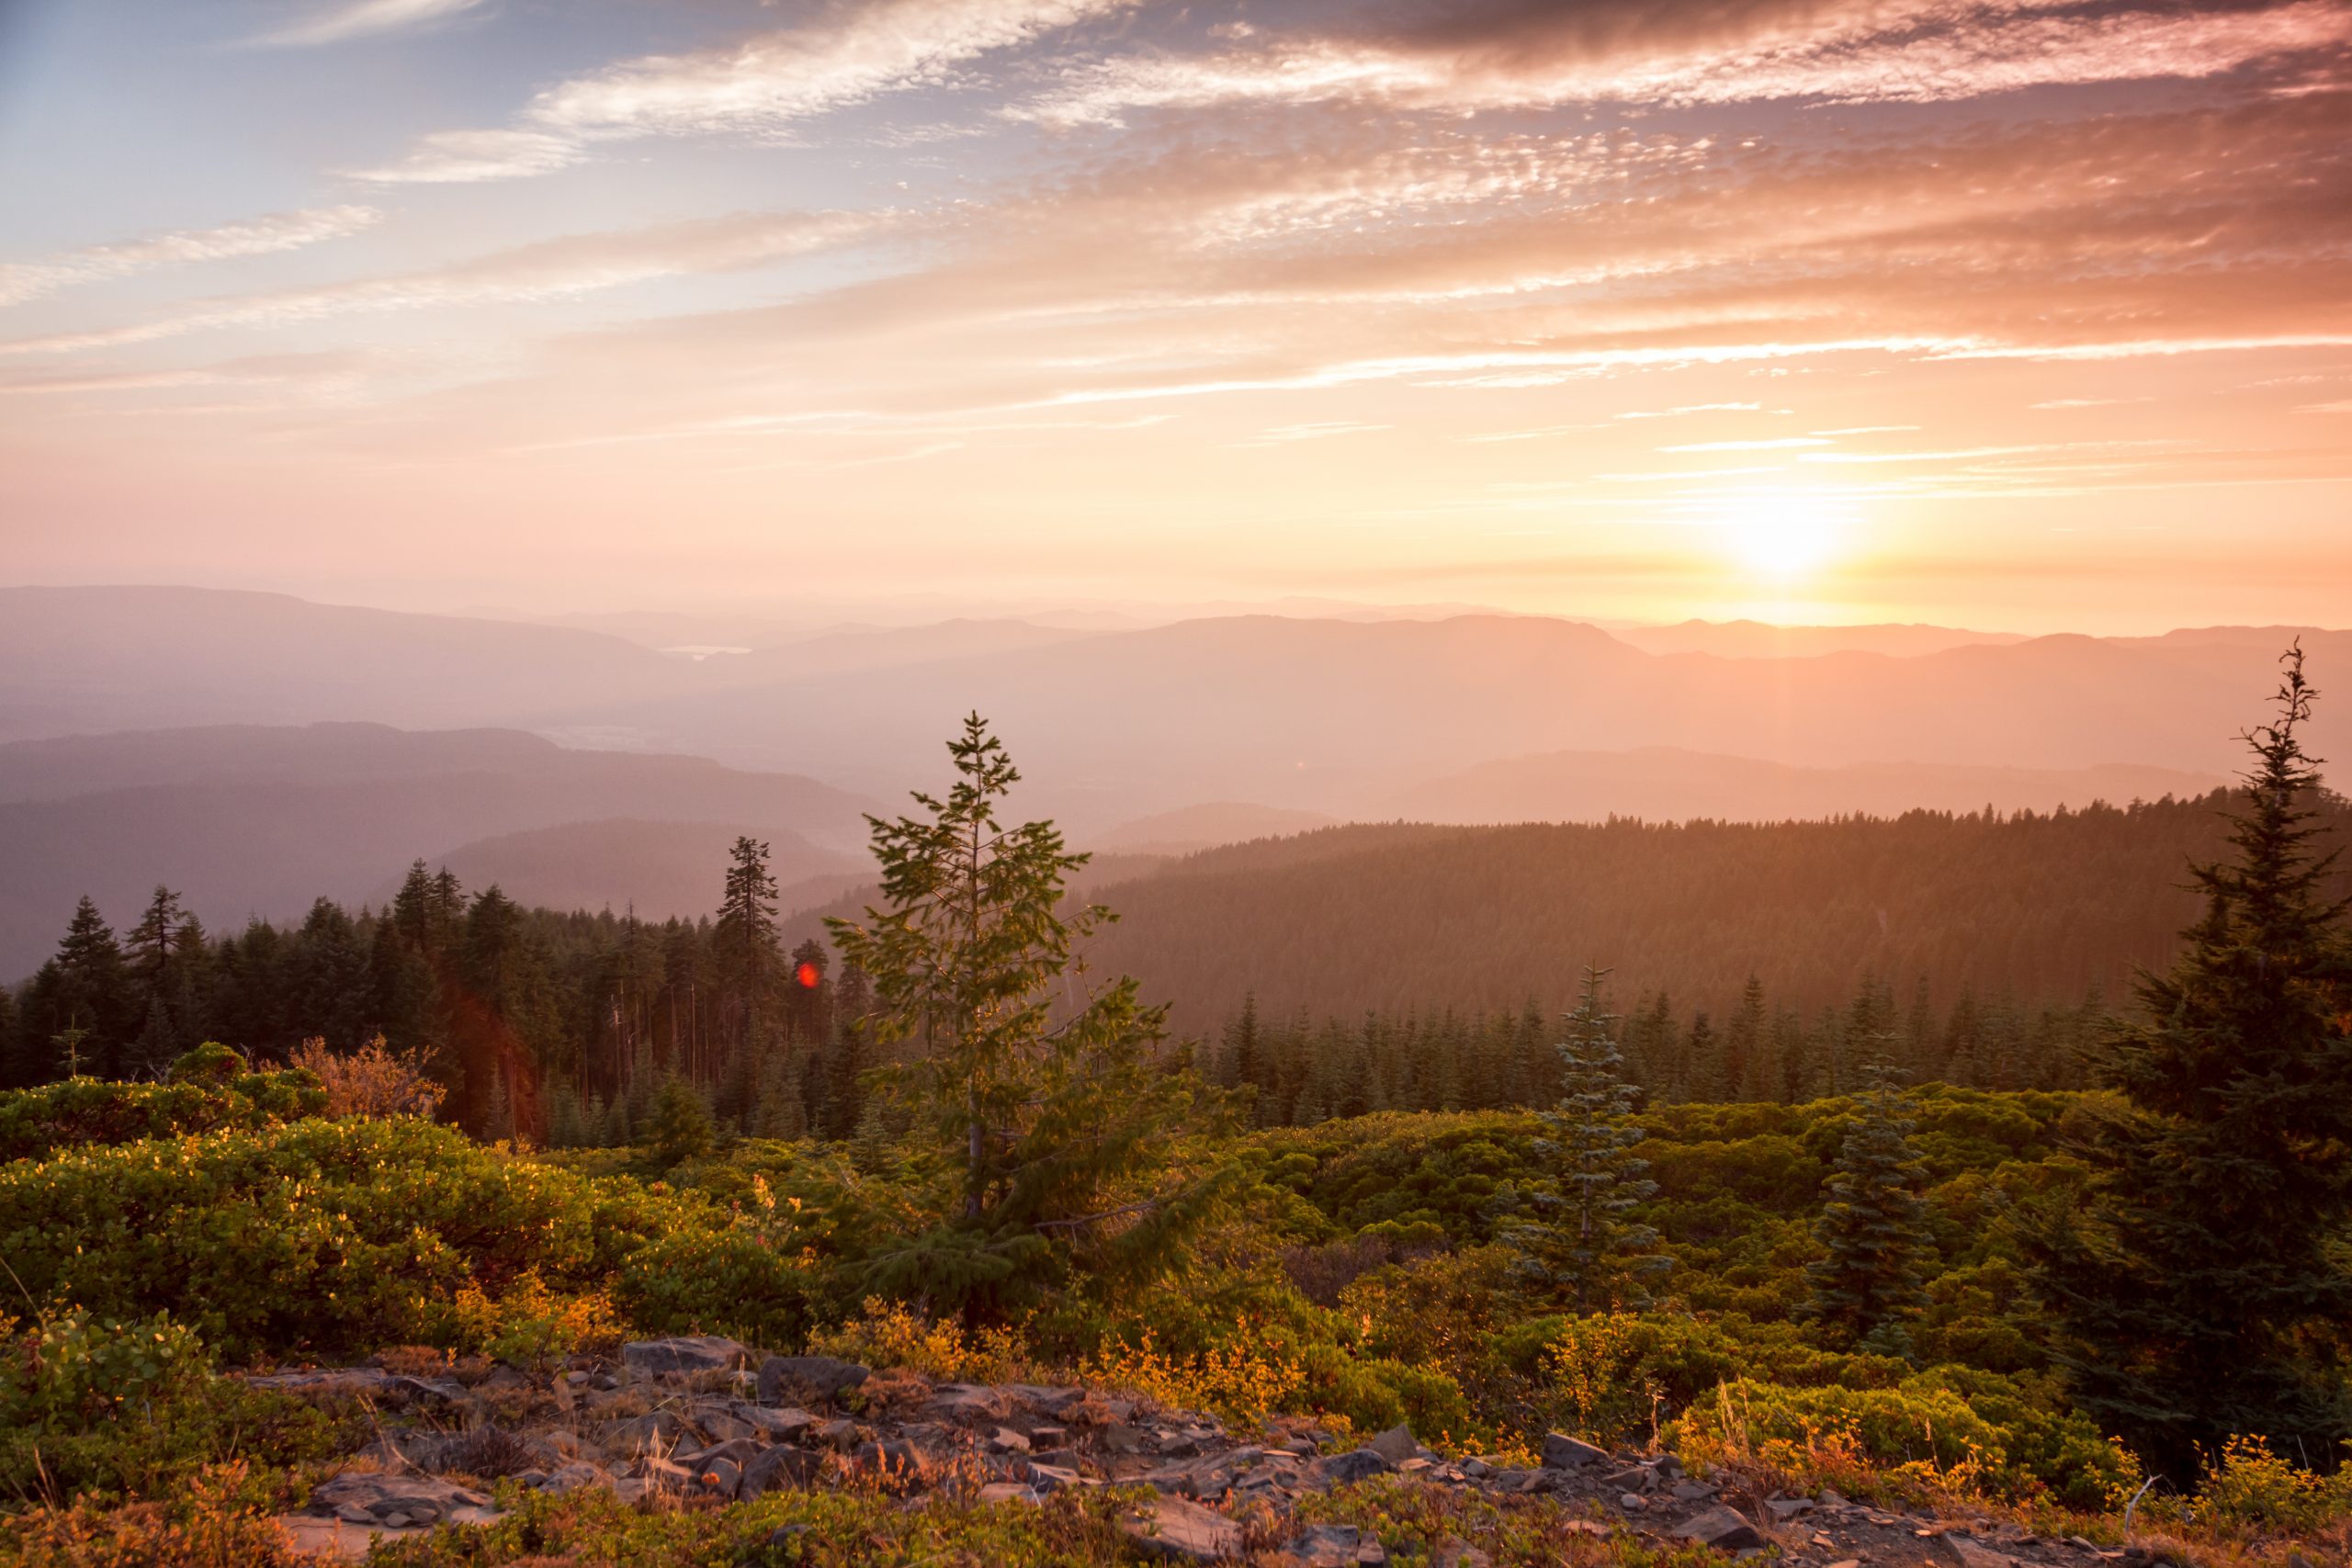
83 997
1873 1226
680 1128
1051 1132
2201 1291
1574 1239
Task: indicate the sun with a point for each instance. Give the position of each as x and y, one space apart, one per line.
1785 538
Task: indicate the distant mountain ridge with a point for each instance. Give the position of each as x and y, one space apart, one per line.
248 821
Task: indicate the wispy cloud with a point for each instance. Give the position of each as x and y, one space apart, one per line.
762 86
1516 56
21 281
364 18
552 269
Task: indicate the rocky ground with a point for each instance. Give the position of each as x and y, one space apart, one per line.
701 1419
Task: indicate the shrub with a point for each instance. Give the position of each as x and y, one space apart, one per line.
325 1237
371 1081
889 1334
86 1112
530 1324
2250 1484
90 1405
1242 1381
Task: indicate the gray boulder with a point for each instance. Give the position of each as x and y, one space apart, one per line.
828 1377
1721 1528
1396 1445
1347 1469
777 1470
1181 1532
1563 1452
684 1353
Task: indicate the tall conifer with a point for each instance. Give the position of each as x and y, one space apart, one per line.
2201 1289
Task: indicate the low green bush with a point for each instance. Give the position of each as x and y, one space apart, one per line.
85 1113
336 1238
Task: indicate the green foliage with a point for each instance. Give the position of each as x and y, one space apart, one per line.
2201 1289
680 1128
1051 1134
1573 1232
82 1112
336 1237
90 1405
1871 1228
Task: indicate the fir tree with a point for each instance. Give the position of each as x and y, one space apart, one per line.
1050 1129
2201 1291
680 1128
1574 1239
1873 1226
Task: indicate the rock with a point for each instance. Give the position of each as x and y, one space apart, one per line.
1121 1438
1010 1492
1183 1532
1051 1477
420 1499
1052 1401
1396 1445
786 1425
828 1377
1337 1546
1694 1491
1347 1469
1669 1468
775 1469
1563 1452
1721 1528
572 1477
433 1393
644 1434
1641 1478
1969 1554
682 1353
720 1422
1005 1441
1455 1554
1632 1503
836 1434
720 1477
1048 1437
1786 1508
896 1458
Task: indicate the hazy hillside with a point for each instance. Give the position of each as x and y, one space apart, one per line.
1192 828
260 822
1757 640
1335 717
657 869
1366 917
1666 784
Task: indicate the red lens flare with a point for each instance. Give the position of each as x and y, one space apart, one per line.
807 977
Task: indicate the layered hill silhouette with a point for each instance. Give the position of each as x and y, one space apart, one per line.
1335 717
248 820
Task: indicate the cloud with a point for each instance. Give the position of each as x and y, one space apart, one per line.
852 53
22 281
548 270
1773 444
364 18
1495 57
465 157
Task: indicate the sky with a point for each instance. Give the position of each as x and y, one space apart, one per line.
2031 315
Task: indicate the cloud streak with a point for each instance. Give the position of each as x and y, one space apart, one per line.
364 18
24 281
759 87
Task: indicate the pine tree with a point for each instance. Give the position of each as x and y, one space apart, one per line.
680 1127
2201 1291
83 997
1051 1130
1573 1238
1873 1226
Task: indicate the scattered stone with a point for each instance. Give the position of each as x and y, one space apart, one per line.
1048 1436
1563 1452
1969 1554
841 1433
1347 1469
1632 1503
776 1469
660 1429
1005 1441
1337 1546
1181 1531
1668 1467
1721 1528
572 1477
682 1353
1787 1508
828 1377
1396 1445
1694 1491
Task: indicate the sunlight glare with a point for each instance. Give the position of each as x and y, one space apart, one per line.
1784 537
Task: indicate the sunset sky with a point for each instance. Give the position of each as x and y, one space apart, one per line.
2028 316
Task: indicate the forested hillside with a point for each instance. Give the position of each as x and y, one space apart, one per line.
2043 908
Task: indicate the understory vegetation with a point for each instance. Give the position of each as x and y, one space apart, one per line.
1907 1289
